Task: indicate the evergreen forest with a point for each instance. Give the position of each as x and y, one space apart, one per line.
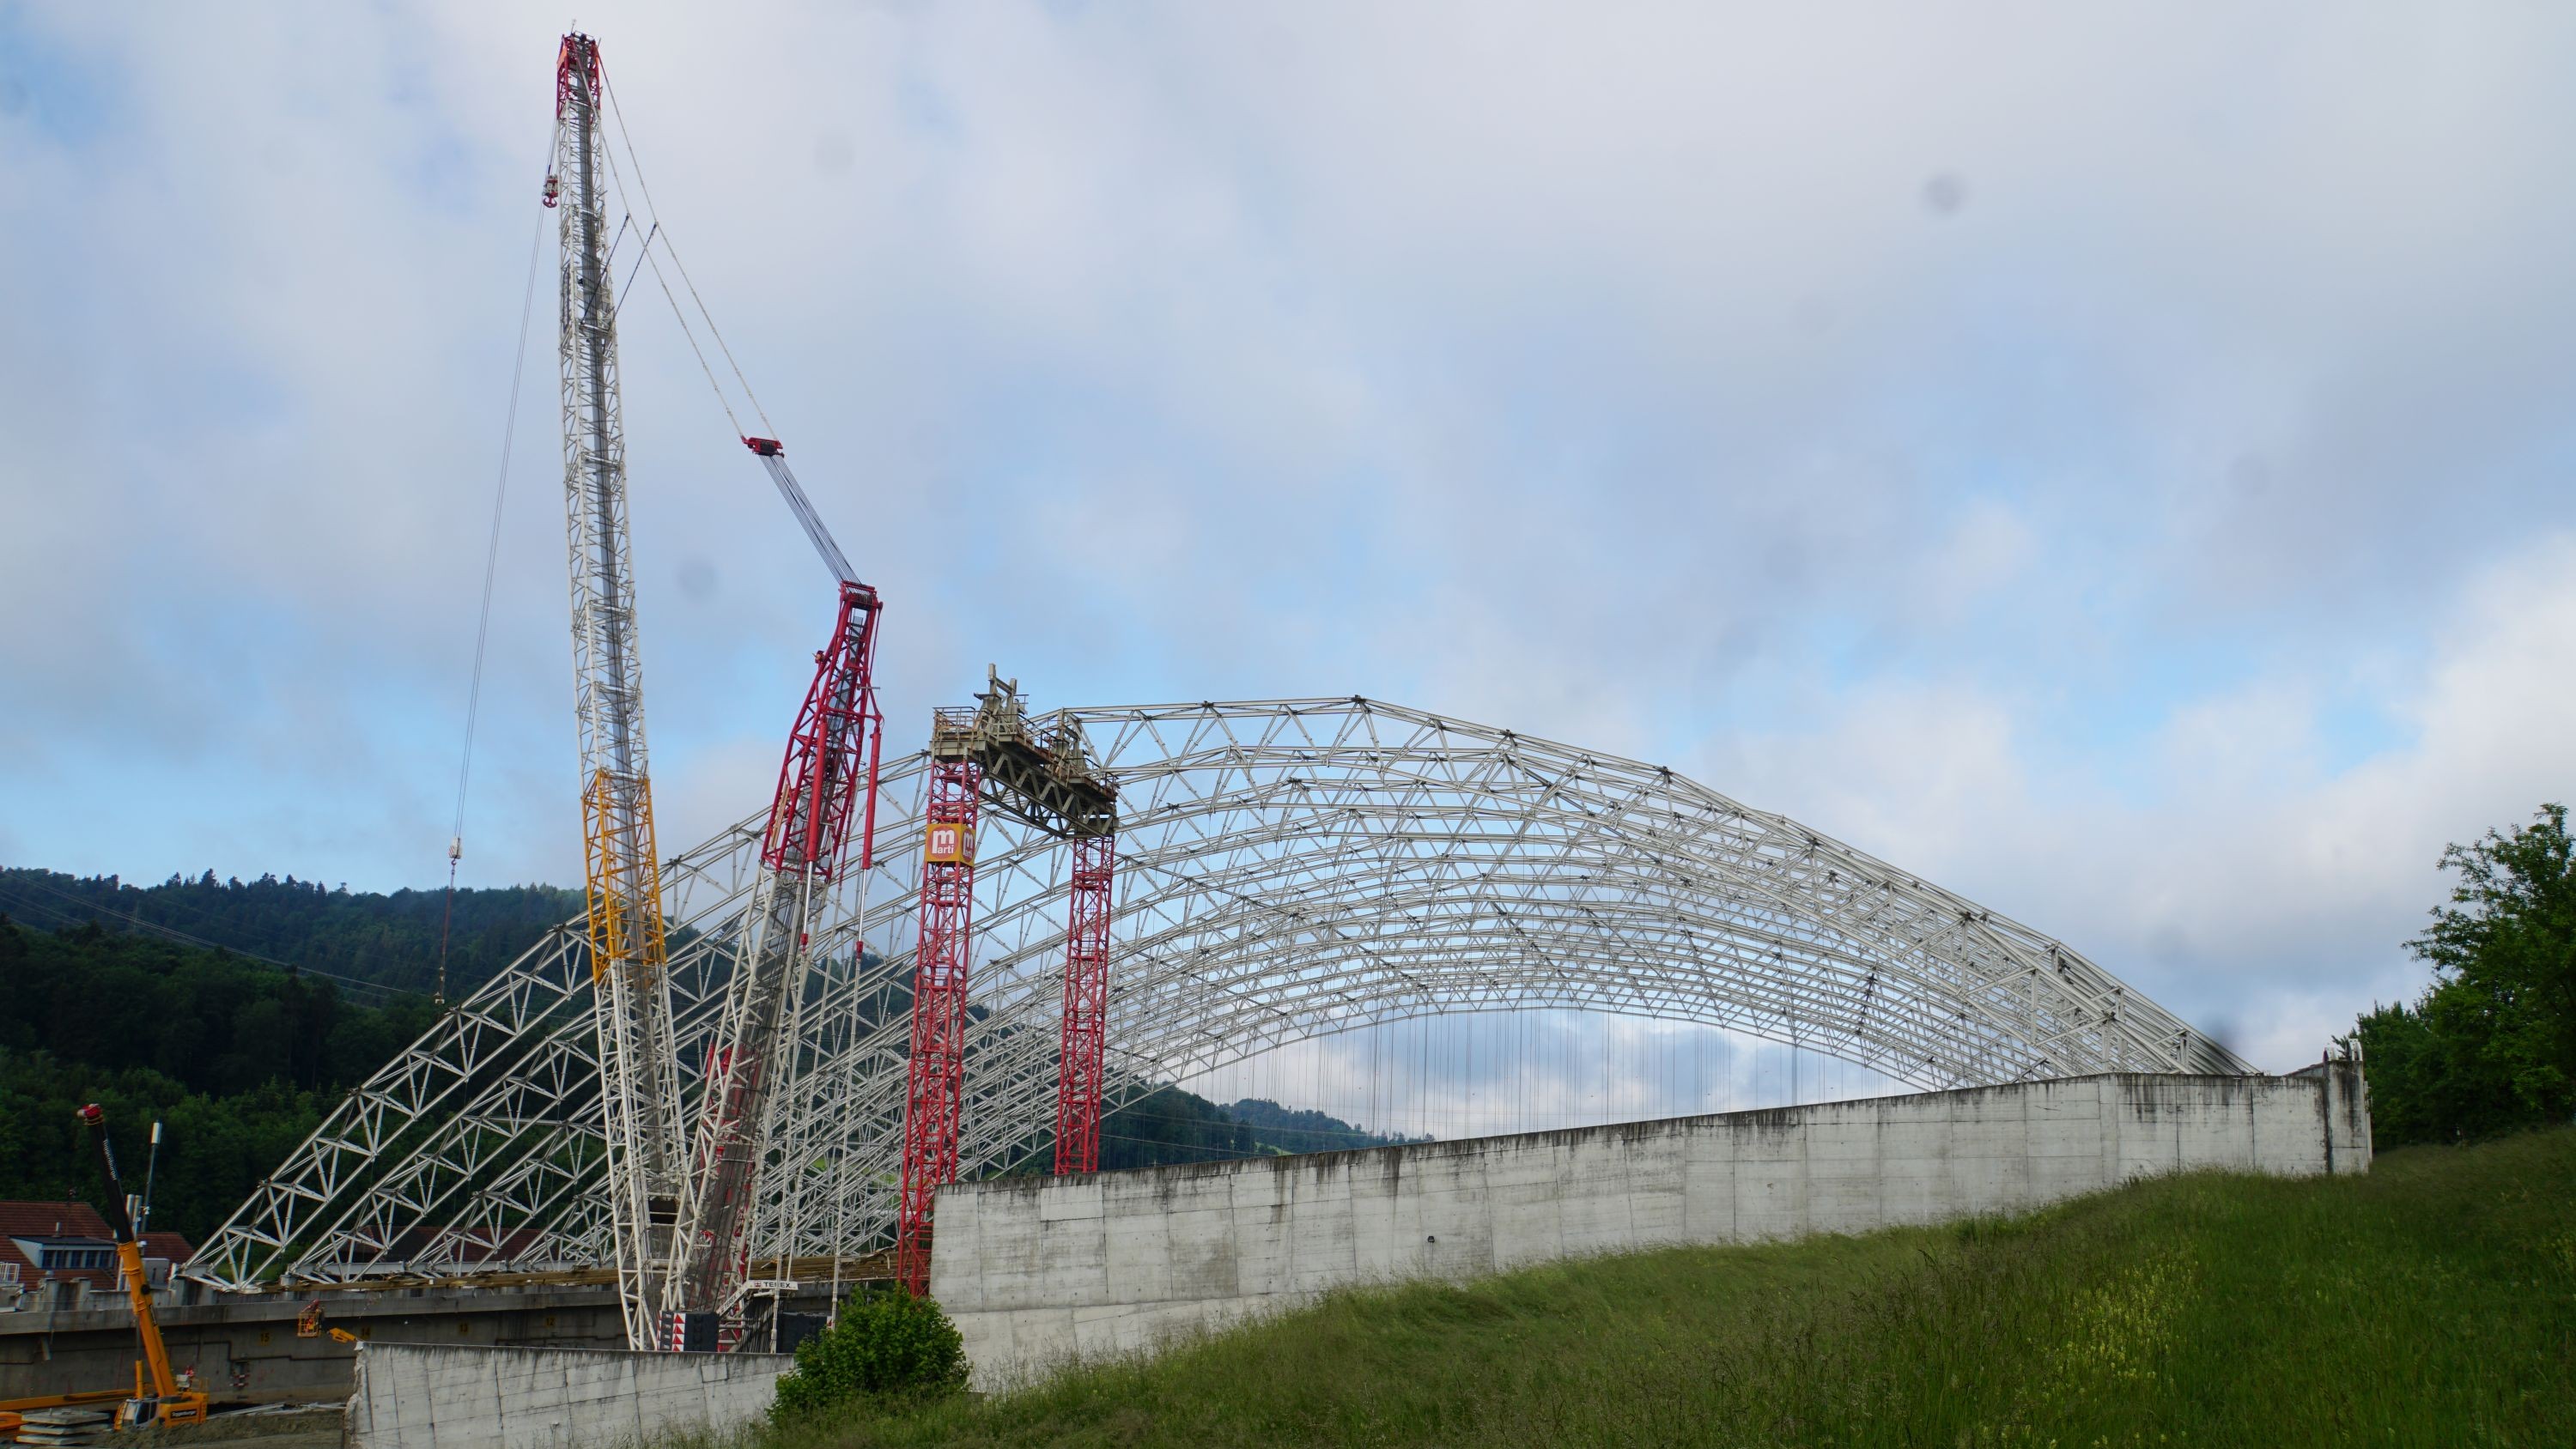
191 1003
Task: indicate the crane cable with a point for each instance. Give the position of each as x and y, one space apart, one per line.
653 213
483 623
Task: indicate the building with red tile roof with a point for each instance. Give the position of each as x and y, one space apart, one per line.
66 1242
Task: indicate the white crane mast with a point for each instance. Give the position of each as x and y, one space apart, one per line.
639 1086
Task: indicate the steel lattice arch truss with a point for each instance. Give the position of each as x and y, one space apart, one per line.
1289 869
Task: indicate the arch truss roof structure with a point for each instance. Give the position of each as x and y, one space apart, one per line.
1287 869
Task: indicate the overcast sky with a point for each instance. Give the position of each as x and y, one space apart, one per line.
2110 461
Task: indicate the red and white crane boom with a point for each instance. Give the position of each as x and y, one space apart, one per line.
826 784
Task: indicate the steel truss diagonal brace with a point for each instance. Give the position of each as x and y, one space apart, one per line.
1285 870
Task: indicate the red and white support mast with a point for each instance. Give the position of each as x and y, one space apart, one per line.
639 1092
1086 1004
1043 775
935 1078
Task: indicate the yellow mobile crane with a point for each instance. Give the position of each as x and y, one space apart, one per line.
167 1402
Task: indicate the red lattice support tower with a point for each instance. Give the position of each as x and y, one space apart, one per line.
935 1077
1086 1005
826 784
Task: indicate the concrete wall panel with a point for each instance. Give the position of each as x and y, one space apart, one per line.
420 1396
1038 1272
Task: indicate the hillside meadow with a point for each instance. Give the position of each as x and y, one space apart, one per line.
2432 1302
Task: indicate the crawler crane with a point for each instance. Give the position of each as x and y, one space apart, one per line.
168 1398
826 784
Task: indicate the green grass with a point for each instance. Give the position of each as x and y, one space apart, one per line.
2432 1302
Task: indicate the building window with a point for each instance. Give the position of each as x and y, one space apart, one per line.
58 1260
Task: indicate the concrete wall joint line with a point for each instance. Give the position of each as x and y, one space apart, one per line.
539 1398
1526 1198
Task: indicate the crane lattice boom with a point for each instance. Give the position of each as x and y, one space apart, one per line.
826 783
639 1087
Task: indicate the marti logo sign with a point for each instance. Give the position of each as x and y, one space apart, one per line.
950 843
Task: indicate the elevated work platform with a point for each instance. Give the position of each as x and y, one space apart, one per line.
1038 771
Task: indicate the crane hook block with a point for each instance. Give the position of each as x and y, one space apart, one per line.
554 189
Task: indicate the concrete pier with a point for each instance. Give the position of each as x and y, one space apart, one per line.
1037 1271
245 1349
414 1396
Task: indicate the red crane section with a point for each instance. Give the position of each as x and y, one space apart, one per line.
935 1078
1086 1005
818 782
1040 773
827 783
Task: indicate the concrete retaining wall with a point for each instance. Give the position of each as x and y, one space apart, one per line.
418 1396
246 1347
1036 1271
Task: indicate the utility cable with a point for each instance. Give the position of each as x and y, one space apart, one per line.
682 318
483 622
619 181
620 304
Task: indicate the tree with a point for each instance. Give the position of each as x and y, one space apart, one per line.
2491 1046
886 1344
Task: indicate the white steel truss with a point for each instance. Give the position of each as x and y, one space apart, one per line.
1288 869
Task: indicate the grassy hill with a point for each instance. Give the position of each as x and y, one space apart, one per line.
2430 1303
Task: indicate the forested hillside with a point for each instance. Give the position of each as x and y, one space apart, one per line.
241 1059
1294 1129
388 939
1169 1125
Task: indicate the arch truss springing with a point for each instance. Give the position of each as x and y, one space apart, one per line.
1289 869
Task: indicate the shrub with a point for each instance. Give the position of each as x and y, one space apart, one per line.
885 1345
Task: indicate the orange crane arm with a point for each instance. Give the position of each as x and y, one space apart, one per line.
175 1406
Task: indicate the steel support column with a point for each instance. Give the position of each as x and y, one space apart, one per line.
935 1076
1086 1005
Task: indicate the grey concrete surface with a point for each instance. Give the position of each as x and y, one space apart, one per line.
245 1349
1040 1271
309 1427
412 1396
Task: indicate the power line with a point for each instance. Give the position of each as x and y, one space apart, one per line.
134 921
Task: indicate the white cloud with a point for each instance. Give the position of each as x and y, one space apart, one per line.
2260 884
1602 374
